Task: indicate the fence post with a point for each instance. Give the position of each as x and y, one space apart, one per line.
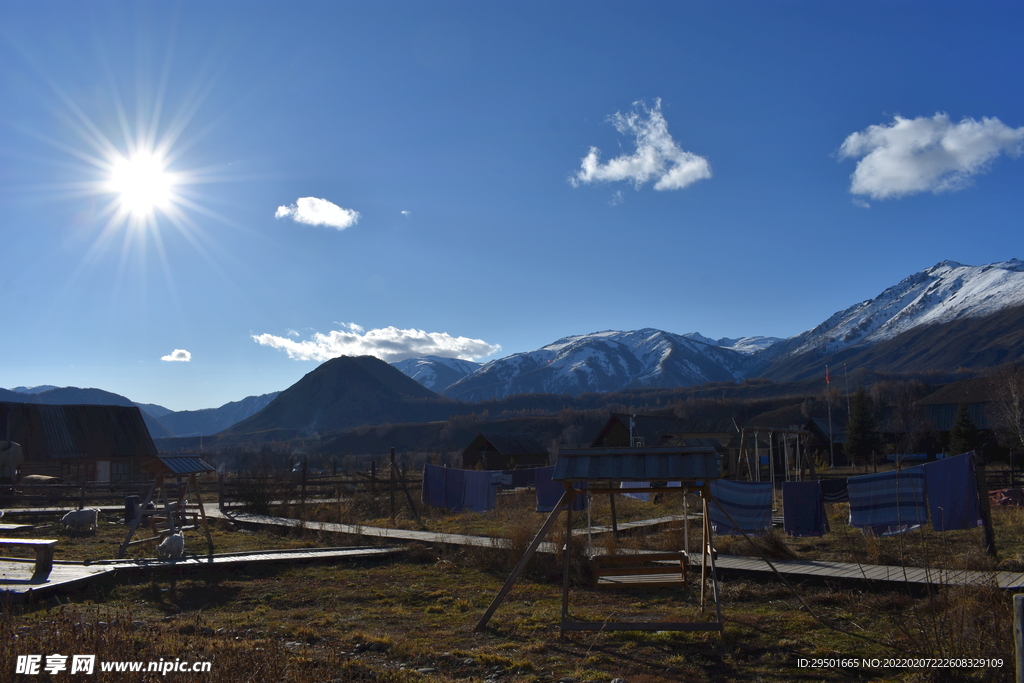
391 485
1018 634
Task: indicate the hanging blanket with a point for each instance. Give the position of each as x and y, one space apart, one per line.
953 493
749 503
835 491
889 502
803 508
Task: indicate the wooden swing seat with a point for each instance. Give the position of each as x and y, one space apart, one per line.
639 570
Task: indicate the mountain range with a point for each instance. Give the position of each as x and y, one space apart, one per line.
975 311
943 318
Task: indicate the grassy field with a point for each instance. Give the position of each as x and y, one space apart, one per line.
412 618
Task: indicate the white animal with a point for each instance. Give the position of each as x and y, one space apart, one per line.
81 519
172 546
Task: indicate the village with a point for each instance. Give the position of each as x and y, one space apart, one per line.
663 549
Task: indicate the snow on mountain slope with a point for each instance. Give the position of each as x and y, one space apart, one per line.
743 344
436 373
603 361
945 292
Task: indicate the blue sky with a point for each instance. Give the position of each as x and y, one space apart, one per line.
409 177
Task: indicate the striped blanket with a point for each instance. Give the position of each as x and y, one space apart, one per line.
748 503
889 502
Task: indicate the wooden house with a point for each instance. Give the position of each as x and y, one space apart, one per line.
79 442
504 451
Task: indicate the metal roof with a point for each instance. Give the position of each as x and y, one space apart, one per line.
507 443
76 431
638 464
179 464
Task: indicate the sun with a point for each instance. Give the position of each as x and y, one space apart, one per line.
142 184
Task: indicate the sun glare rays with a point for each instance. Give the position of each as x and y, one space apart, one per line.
142 183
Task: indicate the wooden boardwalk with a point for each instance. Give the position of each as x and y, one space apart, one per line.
401 535
16 584
737 565
801 570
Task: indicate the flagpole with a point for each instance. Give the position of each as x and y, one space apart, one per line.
831 447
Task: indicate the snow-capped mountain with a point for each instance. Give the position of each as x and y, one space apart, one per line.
612 361
436 373
945 292
604 361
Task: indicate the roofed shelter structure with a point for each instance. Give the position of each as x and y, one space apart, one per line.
78 442
602 470
175 475
504 451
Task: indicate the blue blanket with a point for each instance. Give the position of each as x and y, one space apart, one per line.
953 493
456 490
889 502
749 503
803 508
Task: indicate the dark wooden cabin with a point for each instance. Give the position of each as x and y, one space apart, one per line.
504 451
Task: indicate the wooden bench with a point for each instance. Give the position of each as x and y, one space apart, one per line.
640 569
44 553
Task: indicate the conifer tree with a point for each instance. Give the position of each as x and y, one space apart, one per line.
861 438
963 436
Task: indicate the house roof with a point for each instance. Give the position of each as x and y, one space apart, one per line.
179 464
77 431
507 443
974 390
655 429
638 464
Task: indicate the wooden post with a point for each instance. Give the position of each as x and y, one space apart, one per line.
570 497
1018 634
545 529
615 522
202 515
391 485
373 477
983 506
220 491
302 492
704 544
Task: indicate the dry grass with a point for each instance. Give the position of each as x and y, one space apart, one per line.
384 621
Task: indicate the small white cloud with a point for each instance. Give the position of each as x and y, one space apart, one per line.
657 155
616 199
389 344
407 213
313 211
861 203
926 154
292 333
180 355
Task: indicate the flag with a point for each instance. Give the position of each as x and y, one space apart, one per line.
826 375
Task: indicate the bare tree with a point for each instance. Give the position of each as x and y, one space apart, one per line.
1009 404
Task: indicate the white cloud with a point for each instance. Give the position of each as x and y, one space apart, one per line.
178 355
389 344
926 154
657 155
406 213
313 211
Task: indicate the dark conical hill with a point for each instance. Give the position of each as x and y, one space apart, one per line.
343 393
